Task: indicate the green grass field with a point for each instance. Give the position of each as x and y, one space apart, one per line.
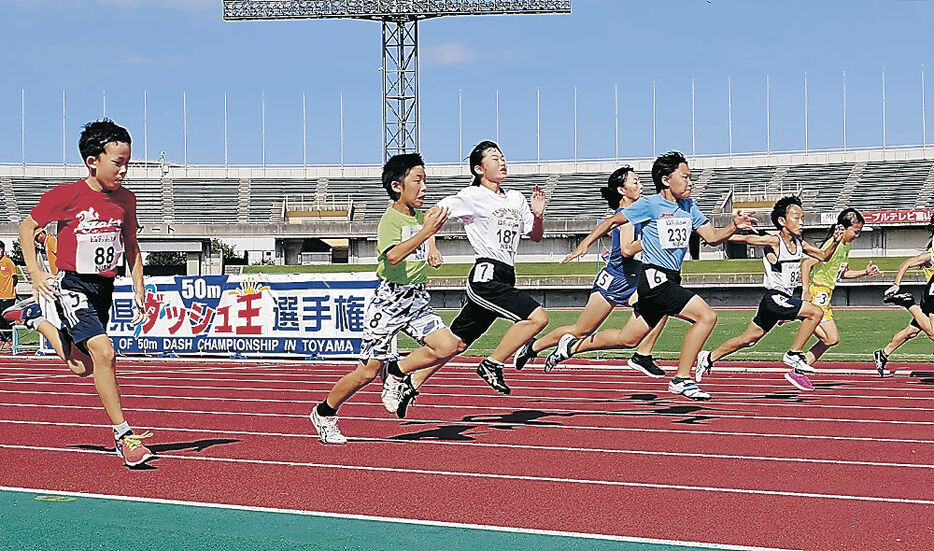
861 332
738 266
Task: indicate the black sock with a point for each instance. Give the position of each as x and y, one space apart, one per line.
326 410
393 369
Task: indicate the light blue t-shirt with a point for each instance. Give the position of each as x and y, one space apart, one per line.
666 227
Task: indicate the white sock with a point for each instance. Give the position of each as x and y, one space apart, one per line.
494 362
121 429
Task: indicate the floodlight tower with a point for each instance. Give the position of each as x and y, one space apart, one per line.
400 43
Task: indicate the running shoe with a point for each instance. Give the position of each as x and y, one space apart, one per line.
562 352
797 360
406 396
688 389
392 388
524 355
492 374
327 429
25 312
131 450
905 300
645 364
799 380
881 359
703 366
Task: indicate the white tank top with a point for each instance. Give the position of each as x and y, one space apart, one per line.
785 274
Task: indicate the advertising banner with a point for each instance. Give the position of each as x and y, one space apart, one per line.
306 315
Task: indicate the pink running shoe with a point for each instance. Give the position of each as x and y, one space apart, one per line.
132 450
799 380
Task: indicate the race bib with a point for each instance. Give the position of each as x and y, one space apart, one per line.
98 252
655 277
483 272
822 298
504 234
673 233
840 271
604 280
421 253
791 272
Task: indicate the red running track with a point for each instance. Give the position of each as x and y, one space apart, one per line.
594 449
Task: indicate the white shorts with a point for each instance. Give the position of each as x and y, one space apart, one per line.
396 307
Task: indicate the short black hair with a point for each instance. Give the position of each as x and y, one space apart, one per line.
397 168
476 157
780 210
97 134
665 165
613 183
2 246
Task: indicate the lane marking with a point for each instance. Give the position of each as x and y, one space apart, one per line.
420 522
444 422
499 476
68 380
504 446
672 400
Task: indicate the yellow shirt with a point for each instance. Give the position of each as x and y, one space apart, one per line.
827 274
7 271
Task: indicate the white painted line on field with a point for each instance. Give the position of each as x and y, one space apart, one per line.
420 522
572 449
499 476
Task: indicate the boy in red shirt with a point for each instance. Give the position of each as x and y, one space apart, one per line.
96 228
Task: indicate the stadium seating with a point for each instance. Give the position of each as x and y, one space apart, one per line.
823 187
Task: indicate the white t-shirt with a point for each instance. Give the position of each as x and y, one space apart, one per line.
493 221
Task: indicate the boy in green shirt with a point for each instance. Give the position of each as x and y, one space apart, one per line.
401 302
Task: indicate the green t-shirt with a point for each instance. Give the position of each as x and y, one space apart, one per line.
394 228
828 273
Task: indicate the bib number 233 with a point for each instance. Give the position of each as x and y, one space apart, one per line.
673 233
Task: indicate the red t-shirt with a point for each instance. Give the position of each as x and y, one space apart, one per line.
92 226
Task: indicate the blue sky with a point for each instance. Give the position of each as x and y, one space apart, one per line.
167 47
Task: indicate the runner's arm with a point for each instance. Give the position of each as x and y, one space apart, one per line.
903 268
806 266
602 229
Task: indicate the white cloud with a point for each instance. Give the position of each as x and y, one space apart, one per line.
452 53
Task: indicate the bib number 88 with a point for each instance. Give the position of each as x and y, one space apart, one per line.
103 256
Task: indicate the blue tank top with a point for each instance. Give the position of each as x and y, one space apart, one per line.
629 265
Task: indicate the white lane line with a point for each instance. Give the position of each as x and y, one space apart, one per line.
444 422
500 476
420 522
506 446
325 385
705 411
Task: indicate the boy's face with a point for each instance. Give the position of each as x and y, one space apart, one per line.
493 166
413 187
794 216
679 181
110 167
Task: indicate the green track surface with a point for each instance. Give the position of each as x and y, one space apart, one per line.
50 521
739 266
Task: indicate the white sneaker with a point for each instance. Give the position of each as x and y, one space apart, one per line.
562 351
392 392
704 365
797 360
327 429
688 389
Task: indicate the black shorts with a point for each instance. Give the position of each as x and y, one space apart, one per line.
927 302
660 294
83 304
774 307
491 294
